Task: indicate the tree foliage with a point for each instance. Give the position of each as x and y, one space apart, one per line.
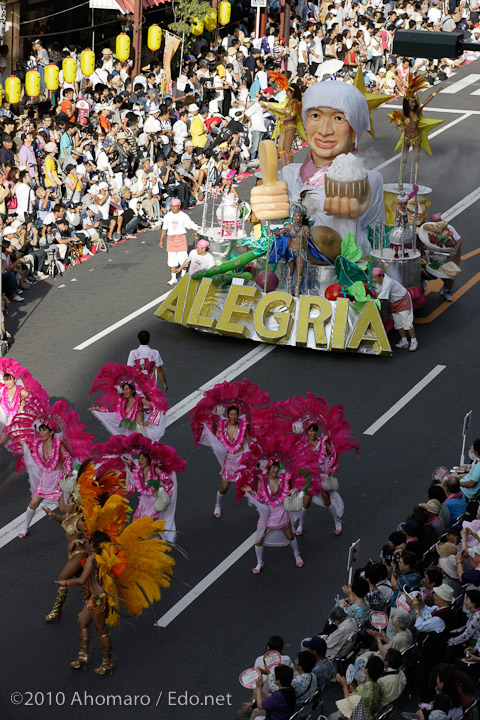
184 12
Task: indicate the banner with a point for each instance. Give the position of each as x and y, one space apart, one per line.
171 46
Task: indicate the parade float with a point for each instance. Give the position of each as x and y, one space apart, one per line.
302 277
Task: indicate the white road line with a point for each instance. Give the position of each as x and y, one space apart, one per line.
184 406
404 400
10 531
208 580
430 137
454 111
460 84
462 205
121 322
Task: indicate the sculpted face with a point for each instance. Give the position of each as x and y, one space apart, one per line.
328 135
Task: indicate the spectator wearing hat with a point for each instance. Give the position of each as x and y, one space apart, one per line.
433 625
447 552
41 60
433 507
198 129
323 669
7 158
121 162
174 228
107 60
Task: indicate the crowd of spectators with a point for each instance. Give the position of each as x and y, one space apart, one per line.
75 181
426 584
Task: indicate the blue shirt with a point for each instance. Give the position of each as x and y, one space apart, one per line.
456 507
65 145
474 475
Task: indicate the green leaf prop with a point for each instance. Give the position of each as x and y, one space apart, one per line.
348 272
359 293
350 249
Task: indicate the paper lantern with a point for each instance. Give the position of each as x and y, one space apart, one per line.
154 38
211 20
51 77
13 89
122 47
32 83
87 62
69 68
197 26
224 12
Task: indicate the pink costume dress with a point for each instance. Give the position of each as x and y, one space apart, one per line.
273 518
326 463
234 447
43 478
148 496
113 415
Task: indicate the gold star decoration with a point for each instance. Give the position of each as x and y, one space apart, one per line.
424 126
373 99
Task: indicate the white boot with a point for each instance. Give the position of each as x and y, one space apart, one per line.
336 519
299 530
298 560
28 519
259 553
173 280
218 506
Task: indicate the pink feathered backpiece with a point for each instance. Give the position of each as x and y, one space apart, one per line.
112 376
161 454
63 420
286 448
247 397
308 409
37 393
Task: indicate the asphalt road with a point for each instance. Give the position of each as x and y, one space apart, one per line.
203 650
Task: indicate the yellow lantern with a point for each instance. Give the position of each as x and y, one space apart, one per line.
87 62
69 68
122 47
13 89
154 38
197 26
224 12
51 77
32 83
211 20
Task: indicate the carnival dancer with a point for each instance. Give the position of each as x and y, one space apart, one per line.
275 468
299 232
153 475
226 419
289 113
130 402
410 123
103 482
325 433
18 391
48 447
126 566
